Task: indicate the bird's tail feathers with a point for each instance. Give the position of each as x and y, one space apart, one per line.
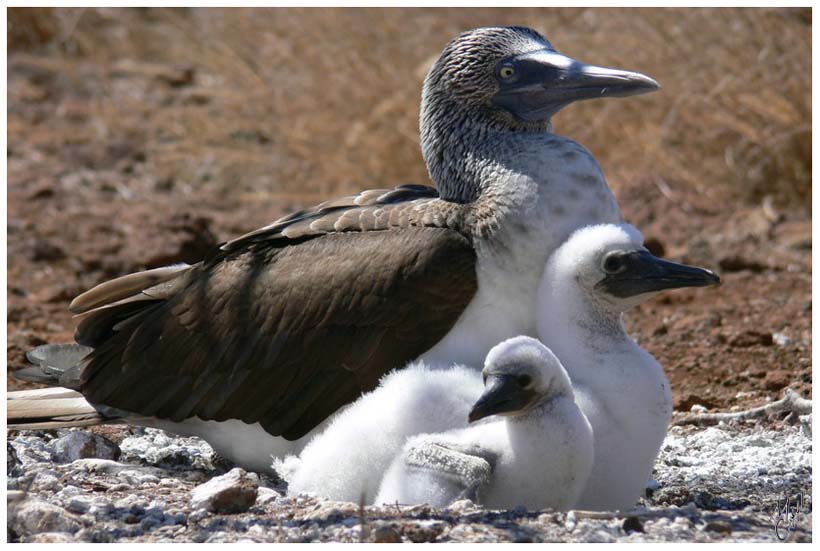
51 408
125 287
54 364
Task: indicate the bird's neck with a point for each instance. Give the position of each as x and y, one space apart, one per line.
585 334
468 156
599 355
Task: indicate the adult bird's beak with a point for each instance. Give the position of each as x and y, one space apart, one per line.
502 394
642 272
544 81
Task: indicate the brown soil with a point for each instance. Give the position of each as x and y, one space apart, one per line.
107 174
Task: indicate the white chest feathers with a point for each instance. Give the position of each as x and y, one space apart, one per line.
541 461
347 460
545 187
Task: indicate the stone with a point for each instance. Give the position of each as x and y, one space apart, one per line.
424 531
386 533
233 492
101 466
781 339
84 445
34 516
685 403
632 524
462 506
14 467
265 496
805 425
45 480
332 511
776 380
50 537
719 526
80 504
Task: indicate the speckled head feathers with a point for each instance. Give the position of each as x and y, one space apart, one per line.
464 78
466 66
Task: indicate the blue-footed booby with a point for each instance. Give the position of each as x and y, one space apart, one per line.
589 282
254 347
537 455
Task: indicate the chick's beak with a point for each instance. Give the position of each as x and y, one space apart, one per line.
502 395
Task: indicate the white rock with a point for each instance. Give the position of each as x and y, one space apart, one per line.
33 516
95 465
129 501
266 495
781 339
155 447
805 425
68 492
50 537
138 478
198 515
463 506
45 480
233 492
81 445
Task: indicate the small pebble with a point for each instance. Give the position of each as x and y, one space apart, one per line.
719 526
632 524
386 533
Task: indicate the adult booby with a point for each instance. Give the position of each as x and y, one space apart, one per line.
538 455
254 347
589 282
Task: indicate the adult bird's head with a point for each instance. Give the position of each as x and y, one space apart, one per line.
508 78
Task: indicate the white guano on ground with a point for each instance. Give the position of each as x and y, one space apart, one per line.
714 484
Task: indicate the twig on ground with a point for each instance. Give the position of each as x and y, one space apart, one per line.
364 530
791 402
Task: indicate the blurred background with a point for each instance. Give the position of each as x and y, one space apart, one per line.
139 137
312 102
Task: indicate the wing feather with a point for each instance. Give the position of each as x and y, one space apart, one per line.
282 333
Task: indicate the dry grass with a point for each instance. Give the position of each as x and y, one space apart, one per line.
304 103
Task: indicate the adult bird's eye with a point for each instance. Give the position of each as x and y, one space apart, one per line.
506 72
613 264
524 381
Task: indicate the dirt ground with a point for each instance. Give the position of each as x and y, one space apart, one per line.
107 175
140 138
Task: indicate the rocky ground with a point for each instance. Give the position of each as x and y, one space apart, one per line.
140 138
726 482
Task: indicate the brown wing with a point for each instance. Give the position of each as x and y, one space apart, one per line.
279 333
372 209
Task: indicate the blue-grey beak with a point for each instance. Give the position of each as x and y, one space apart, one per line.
637 272
502 394
536 85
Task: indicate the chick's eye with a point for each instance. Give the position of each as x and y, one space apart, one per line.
506 72
613 264
524 381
